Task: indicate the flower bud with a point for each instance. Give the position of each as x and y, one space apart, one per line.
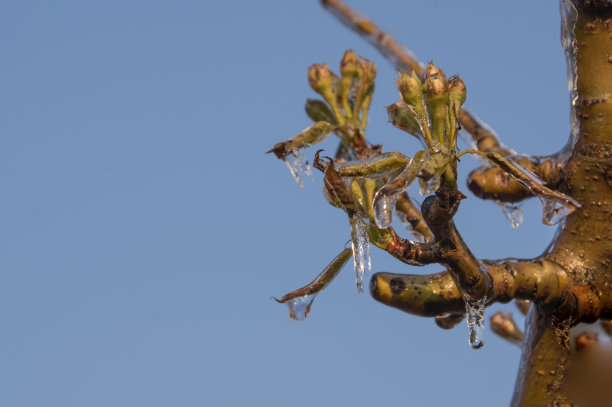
456 93
320 78
435 84
409 87
348 65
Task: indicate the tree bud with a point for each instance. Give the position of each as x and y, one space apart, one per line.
320 78
457 93
409 87
348 65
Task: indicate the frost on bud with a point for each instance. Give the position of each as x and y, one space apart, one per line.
409 87
318 111
320 78
457 93
348 65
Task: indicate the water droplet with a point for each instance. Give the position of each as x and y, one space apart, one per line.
554 210
298 165
474 311
513 212
299 307
428 187
383 210
361 249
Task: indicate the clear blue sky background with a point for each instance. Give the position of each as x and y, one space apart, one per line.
143 229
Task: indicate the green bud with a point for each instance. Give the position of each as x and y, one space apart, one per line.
436 87
457 93
410 88
320 78
348 65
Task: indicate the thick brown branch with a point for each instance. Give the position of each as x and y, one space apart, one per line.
427 296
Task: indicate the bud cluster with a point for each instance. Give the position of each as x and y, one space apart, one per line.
433 103
349 96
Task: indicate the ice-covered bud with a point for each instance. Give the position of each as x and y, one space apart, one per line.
410 88
456 93
320 78
348 65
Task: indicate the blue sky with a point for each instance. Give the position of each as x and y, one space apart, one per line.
143 230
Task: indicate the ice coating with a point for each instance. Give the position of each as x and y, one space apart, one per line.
513 212
553 211
428 187
361 249
569 15
474 311
298 165
299 307
383 210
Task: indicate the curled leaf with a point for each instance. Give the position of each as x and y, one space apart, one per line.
300 300
314 134
403 117
377 166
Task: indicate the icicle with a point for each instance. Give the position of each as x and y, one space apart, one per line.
554 210
428 187
514 213
474 311
361 249
383 210
298 165
569 16
299 307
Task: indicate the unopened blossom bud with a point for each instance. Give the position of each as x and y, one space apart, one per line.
410 88
348 65
320 78
435 84
457 93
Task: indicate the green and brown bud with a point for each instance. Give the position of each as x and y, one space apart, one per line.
349 65
435 85
410 88
457 93
320 78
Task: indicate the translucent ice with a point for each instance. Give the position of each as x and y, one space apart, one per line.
474 311
298 165
361 249
513 212
299 307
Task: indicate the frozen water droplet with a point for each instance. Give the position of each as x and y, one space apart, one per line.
383 210
428 187
514 213
361 249
554 210
299 307
298 165
474 311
